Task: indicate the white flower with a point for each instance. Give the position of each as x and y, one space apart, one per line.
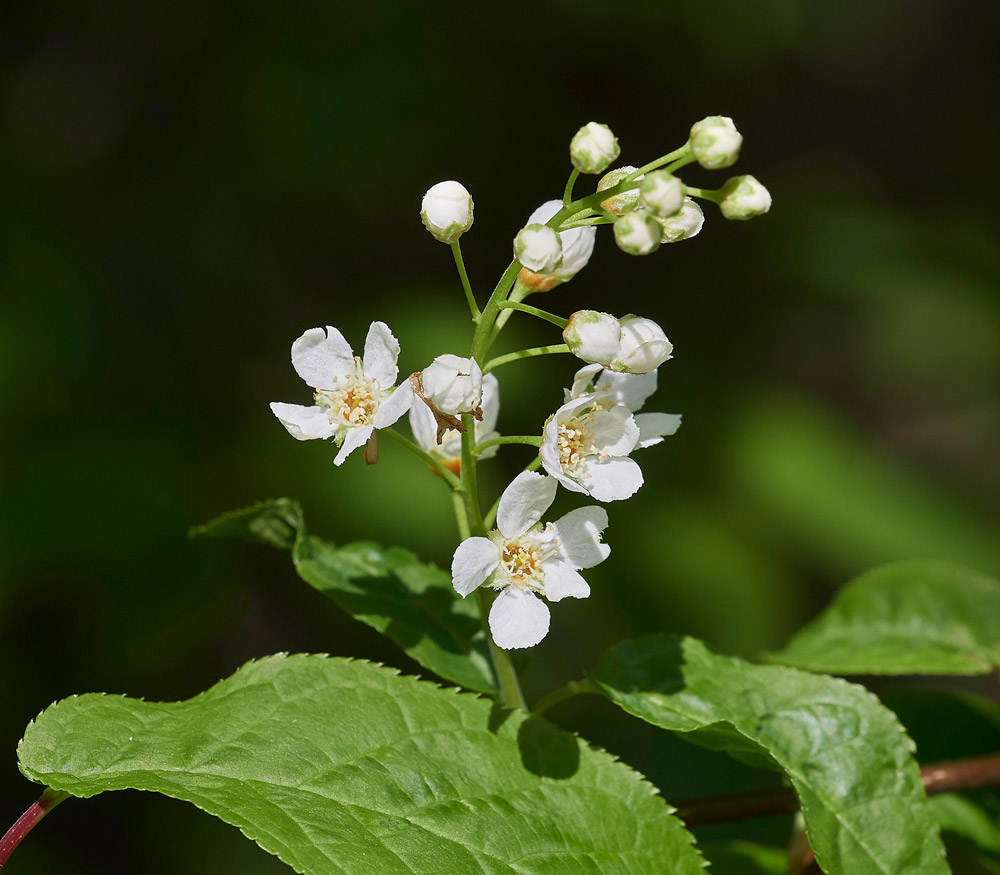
687 223
631 391
593 336
425 427
638 233
644 346
453 384
521 557
446 210
585 446
577 247
593 148
661 193
627 200
538 248
715 142
354 396
743 197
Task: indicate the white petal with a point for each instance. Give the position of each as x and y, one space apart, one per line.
473 562
632 390
356 437
654 426
381 352
545 212
523 502
579 537
562 582
612 479
614 430
394 406
491 405
423 425
583 381
318 356
303 423
518 619
578 246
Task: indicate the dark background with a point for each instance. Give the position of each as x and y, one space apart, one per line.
186 186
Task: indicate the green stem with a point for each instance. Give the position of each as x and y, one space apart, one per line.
680 157
573 688
517 294
27 821
448 477
596 220
713 195
558 321
456 250
484 327
568 193
469 483
510 687
531 440
458 503
524 354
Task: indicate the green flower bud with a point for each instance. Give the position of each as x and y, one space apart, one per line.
743 197
593 148
538 248
619 203
687 223
715 142
446 211
638 233
661 193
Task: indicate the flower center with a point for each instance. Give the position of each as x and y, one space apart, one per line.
353 399
522 562
575 442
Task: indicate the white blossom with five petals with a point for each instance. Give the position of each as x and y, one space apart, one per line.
354 395
524 559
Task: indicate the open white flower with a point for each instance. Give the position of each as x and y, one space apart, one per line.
585 446
354 396
631 391
449 452
577 247
524 559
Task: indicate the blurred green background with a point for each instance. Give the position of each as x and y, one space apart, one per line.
187 186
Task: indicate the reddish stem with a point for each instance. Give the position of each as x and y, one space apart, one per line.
26 822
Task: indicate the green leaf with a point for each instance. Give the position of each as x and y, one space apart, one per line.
411 602
390 589
916 617
276 521
343 767
744 858
844 753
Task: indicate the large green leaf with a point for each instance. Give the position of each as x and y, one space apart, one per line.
845 754
343 767
916 617
390 589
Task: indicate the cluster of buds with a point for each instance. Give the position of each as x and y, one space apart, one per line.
585 445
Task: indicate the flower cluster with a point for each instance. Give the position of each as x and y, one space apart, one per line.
586 444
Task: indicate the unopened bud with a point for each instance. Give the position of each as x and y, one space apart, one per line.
538 248
453 384
446 211
593 336
643 346
638 233
577 247
715 142
743 197
619 203
593 148
687 223
661 193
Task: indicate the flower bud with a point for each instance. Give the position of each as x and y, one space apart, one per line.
593 336
619 203
715 142
643 346
593 148
446 211
661 193
743 197
638 233
577 247
453 384
538 248
686 223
